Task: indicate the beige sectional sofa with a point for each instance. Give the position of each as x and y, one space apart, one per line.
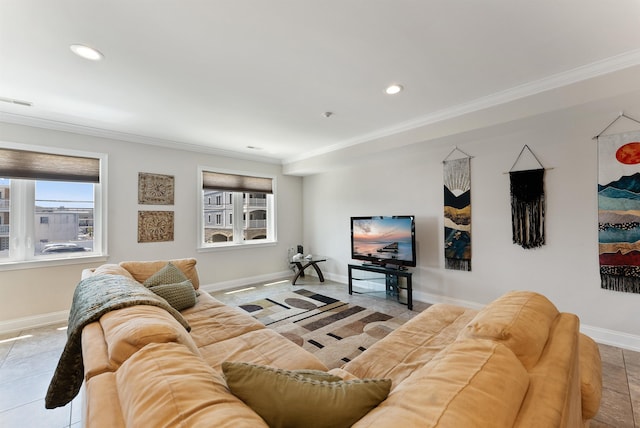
516 363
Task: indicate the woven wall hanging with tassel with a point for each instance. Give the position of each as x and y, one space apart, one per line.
457 211
527 205
618 208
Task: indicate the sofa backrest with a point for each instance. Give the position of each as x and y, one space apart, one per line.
521 320
140 271
554 396
143 270
466 385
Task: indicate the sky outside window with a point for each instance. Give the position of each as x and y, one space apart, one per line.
64 194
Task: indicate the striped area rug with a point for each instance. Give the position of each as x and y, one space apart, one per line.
290 305
337 334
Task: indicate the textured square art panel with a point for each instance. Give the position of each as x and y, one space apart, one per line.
155 226
155 189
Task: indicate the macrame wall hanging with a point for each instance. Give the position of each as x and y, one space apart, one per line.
457 212
619 209
527 204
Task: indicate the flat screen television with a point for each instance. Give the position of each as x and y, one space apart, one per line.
384 240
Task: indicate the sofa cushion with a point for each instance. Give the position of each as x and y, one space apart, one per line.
111 269
265 347
253 371
472 383
590 376
181 295
212 321
519 319
101 402
143 270
165 385
95 355
290 399
169 274
342 373
129 329
413 345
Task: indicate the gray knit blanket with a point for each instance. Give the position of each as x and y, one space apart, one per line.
95 296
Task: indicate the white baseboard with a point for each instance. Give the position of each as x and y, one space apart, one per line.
612 337
35 321
601 335
19 324
245 282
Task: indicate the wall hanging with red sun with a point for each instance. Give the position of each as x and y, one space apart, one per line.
619 211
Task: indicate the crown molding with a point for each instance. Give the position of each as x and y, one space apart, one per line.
54 125
579 74
559 80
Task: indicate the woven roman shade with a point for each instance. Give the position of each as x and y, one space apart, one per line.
23 164
235 182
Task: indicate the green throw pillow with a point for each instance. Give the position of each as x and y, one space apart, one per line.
285 398
181 295
169 274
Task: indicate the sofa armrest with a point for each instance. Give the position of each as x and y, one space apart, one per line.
590 376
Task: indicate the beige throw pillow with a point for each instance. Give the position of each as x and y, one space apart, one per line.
286 398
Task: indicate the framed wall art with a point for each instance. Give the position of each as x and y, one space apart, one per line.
155 189
155 226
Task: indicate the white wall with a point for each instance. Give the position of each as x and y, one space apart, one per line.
30 295
409 180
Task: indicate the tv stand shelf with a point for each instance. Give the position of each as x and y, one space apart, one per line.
391 280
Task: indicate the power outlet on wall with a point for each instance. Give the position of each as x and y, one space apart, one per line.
291 251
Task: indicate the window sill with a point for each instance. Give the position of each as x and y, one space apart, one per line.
234 246
34 264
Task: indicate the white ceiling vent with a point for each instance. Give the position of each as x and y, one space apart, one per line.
14 101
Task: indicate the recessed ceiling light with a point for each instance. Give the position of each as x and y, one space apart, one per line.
86 52
393 89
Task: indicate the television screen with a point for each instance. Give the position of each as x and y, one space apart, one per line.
384 240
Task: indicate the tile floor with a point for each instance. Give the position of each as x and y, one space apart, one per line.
28 359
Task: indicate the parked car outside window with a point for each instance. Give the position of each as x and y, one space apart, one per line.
66 247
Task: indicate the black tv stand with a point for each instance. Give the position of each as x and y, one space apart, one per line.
391 278
384 266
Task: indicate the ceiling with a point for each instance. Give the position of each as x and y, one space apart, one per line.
254 78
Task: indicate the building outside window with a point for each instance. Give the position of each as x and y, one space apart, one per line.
51 205
247 197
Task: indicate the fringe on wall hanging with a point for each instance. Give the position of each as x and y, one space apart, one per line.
457 212
527 205
618 209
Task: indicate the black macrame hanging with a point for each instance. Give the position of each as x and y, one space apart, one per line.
527 207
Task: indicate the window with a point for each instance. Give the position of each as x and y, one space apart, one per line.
50 205
250 199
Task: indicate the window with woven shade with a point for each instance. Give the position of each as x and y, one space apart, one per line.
51 204
237 209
